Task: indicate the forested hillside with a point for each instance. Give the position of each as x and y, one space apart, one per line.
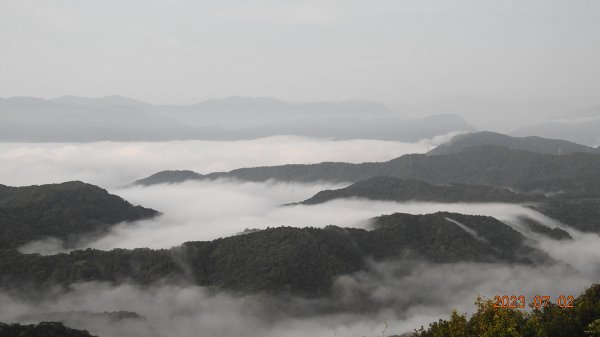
397 189
577 204
532 144
298 260
480 165
64 211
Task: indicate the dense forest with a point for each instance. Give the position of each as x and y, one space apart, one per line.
63 211
297 260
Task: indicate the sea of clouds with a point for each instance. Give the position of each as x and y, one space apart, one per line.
385 299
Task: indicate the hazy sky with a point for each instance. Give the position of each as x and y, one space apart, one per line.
180 51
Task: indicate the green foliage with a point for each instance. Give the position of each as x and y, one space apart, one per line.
593 329
551 321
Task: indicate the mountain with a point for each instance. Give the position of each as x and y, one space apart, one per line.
63 211
573 179
115 102
43 329
240 112
585 186
582 213
68 119
383 128
118 118
584 130
480 165
169 177
283 259
532 144
396 189
497 114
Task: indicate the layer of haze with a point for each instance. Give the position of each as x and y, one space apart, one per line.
113 164
181 51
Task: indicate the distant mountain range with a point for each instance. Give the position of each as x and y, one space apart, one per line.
117 118
497 114
582 130
64 211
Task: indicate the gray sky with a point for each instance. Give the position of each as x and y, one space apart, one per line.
178 51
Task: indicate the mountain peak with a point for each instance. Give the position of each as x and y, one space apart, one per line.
532 144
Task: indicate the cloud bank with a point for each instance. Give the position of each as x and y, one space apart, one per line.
112 164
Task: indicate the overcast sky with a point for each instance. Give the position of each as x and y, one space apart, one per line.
178 51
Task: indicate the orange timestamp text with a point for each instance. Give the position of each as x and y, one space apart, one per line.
538 302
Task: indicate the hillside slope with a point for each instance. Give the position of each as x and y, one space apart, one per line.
480 165
63 211
532 144
397 189
298 260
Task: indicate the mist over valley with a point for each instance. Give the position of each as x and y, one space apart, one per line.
299 168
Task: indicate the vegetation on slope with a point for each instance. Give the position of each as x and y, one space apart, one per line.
583 320
62 210
577 208
532 144
397 189
297 260
480 165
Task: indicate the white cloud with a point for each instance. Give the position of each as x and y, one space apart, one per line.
112 164
207 210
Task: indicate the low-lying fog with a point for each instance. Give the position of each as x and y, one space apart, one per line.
207 210
398 298
402 295
387 299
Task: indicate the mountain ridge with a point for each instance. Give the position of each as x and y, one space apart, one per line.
62 210
281 259
119 118
530 143
480 165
